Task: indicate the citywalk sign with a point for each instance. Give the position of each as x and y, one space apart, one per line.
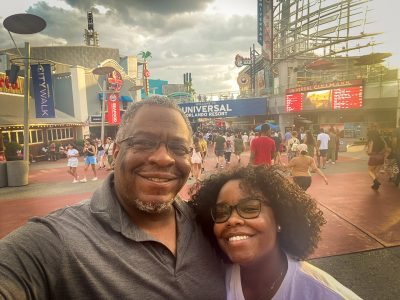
43 90
225 108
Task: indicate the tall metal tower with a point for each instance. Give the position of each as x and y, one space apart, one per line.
91 36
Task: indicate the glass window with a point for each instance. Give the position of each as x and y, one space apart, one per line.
54 134
20 135
58 134
34 136
13 136
40 136
49 136
6 136
71 132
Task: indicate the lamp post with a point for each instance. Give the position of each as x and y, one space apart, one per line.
25 24
103 71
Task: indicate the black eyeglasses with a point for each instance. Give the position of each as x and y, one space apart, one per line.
146 144
248 209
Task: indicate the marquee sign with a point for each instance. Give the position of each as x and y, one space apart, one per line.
328 96
226 108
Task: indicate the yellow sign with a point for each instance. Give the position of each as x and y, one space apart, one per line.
7 87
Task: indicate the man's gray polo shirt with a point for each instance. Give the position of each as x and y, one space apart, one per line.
93 251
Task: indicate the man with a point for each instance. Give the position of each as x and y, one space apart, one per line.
322 147
331 156
219 149
262 148
134 239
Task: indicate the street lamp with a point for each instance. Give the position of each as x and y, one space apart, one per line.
25 24
103 71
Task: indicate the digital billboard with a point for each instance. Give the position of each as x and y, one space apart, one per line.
339 97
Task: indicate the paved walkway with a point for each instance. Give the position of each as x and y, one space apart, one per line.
360 243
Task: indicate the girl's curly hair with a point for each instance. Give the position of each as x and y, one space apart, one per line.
294 210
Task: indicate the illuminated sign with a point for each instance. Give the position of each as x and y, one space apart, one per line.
338 97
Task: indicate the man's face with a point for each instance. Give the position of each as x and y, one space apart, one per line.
149 179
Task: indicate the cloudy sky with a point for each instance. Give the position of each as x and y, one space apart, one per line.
197 36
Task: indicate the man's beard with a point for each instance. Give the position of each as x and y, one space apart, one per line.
153 207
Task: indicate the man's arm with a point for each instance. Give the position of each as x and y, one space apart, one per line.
29 262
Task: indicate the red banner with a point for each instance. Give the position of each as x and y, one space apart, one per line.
113 115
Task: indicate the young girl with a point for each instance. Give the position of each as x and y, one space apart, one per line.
196 159
72 155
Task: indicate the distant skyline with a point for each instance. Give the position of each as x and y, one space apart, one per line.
201 36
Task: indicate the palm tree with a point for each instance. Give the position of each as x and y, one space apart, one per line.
145 54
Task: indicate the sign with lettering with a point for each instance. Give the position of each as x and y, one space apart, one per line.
113 115
327 96
43 90
226 108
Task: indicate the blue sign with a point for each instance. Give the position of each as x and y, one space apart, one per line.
43 91
226 108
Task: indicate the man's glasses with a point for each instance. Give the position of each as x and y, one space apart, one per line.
248 209
175 148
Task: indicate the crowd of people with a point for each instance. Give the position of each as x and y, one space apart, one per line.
243 235
96 155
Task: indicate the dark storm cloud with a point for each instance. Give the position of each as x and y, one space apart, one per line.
203 44
162 7
68 25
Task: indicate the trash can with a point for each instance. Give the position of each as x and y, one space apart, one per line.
3 174
17 172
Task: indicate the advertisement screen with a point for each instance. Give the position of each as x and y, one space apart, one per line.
339 98
294 102
348 97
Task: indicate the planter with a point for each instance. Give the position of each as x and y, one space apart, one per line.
17 172
3 174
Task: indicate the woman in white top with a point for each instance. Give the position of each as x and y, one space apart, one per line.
262 226
72 155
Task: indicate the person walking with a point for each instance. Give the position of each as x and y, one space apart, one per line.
278 143
134 238
203 147
262 148
219 148
301 166
311 143
322 147
292 144
89 152
108 153
229 142
196 159
331 155
238 147
376 149
246 143
72 155
100 154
